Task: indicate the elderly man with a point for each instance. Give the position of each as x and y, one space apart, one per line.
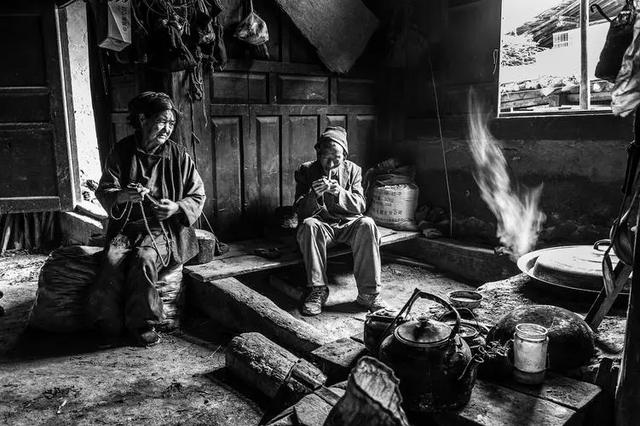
330 204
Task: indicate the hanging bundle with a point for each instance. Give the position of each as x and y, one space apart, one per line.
618 39
253 30
168 53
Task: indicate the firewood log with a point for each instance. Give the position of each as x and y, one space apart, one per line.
263 365
27 231
37 231
6 232
372 398
17 231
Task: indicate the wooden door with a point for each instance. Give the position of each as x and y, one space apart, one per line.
35 172
265 118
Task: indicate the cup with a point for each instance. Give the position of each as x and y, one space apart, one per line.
530 342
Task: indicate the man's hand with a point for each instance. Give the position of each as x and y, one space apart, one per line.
334 188
131 194
165 209
320 186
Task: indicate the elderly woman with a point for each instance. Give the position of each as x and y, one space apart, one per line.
153 194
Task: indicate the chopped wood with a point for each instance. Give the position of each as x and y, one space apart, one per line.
239 308
50 227
207 247
37 231
27 231
372 398
6 232
17 231
263 365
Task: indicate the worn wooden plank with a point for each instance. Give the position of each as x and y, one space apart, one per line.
239 87
268 139
238 308
338 29
302 136
27 164
359 146
226 136
289 109
562 390
352 91
294 89
250 175
495 405
244 262
336 359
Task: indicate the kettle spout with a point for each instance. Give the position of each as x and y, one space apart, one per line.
470 369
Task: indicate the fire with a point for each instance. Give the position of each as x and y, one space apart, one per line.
517 211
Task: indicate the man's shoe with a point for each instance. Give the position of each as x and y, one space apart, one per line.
372 302
146 336
315 300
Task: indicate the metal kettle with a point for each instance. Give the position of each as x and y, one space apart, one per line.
434 364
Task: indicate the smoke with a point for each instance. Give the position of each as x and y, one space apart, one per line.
519 217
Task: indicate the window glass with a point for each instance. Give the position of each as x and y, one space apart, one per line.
541 61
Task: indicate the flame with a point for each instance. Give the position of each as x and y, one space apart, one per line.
519 217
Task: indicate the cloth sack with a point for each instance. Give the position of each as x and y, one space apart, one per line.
64 283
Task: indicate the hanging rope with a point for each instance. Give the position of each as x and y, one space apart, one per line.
444 153
127 211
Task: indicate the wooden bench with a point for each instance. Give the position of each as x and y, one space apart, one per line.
240 259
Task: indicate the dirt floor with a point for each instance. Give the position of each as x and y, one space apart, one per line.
56 379
71 379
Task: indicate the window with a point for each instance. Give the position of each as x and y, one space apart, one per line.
544 67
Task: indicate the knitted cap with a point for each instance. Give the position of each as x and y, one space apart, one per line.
335 134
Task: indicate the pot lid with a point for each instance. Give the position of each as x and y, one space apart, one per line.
423 332
574 267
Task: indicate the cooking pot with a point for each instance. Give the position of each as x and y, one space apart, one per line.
434 364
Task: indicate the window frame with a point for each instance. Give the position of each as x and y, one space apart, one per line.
569 112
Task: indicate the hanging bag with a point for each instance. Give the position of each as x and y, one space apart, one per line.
619 37
253 30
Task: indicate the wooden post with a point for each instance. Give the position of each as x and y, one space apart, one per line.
585 95
628 391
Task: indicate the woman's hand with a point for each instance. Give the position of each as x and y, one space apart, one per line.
165 209
132 193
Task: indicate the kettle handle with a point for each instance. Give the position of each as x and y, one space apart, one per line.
419 294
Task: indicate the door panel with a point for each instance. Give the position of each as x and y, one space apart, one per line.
35 171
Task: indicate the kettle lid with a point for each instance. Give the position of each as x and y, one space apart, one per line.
423 332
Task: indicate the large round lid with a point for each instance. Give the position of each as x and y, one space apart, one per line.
575 267
423 332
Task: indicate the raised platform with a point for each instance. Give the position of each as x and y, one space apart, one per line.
240 259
